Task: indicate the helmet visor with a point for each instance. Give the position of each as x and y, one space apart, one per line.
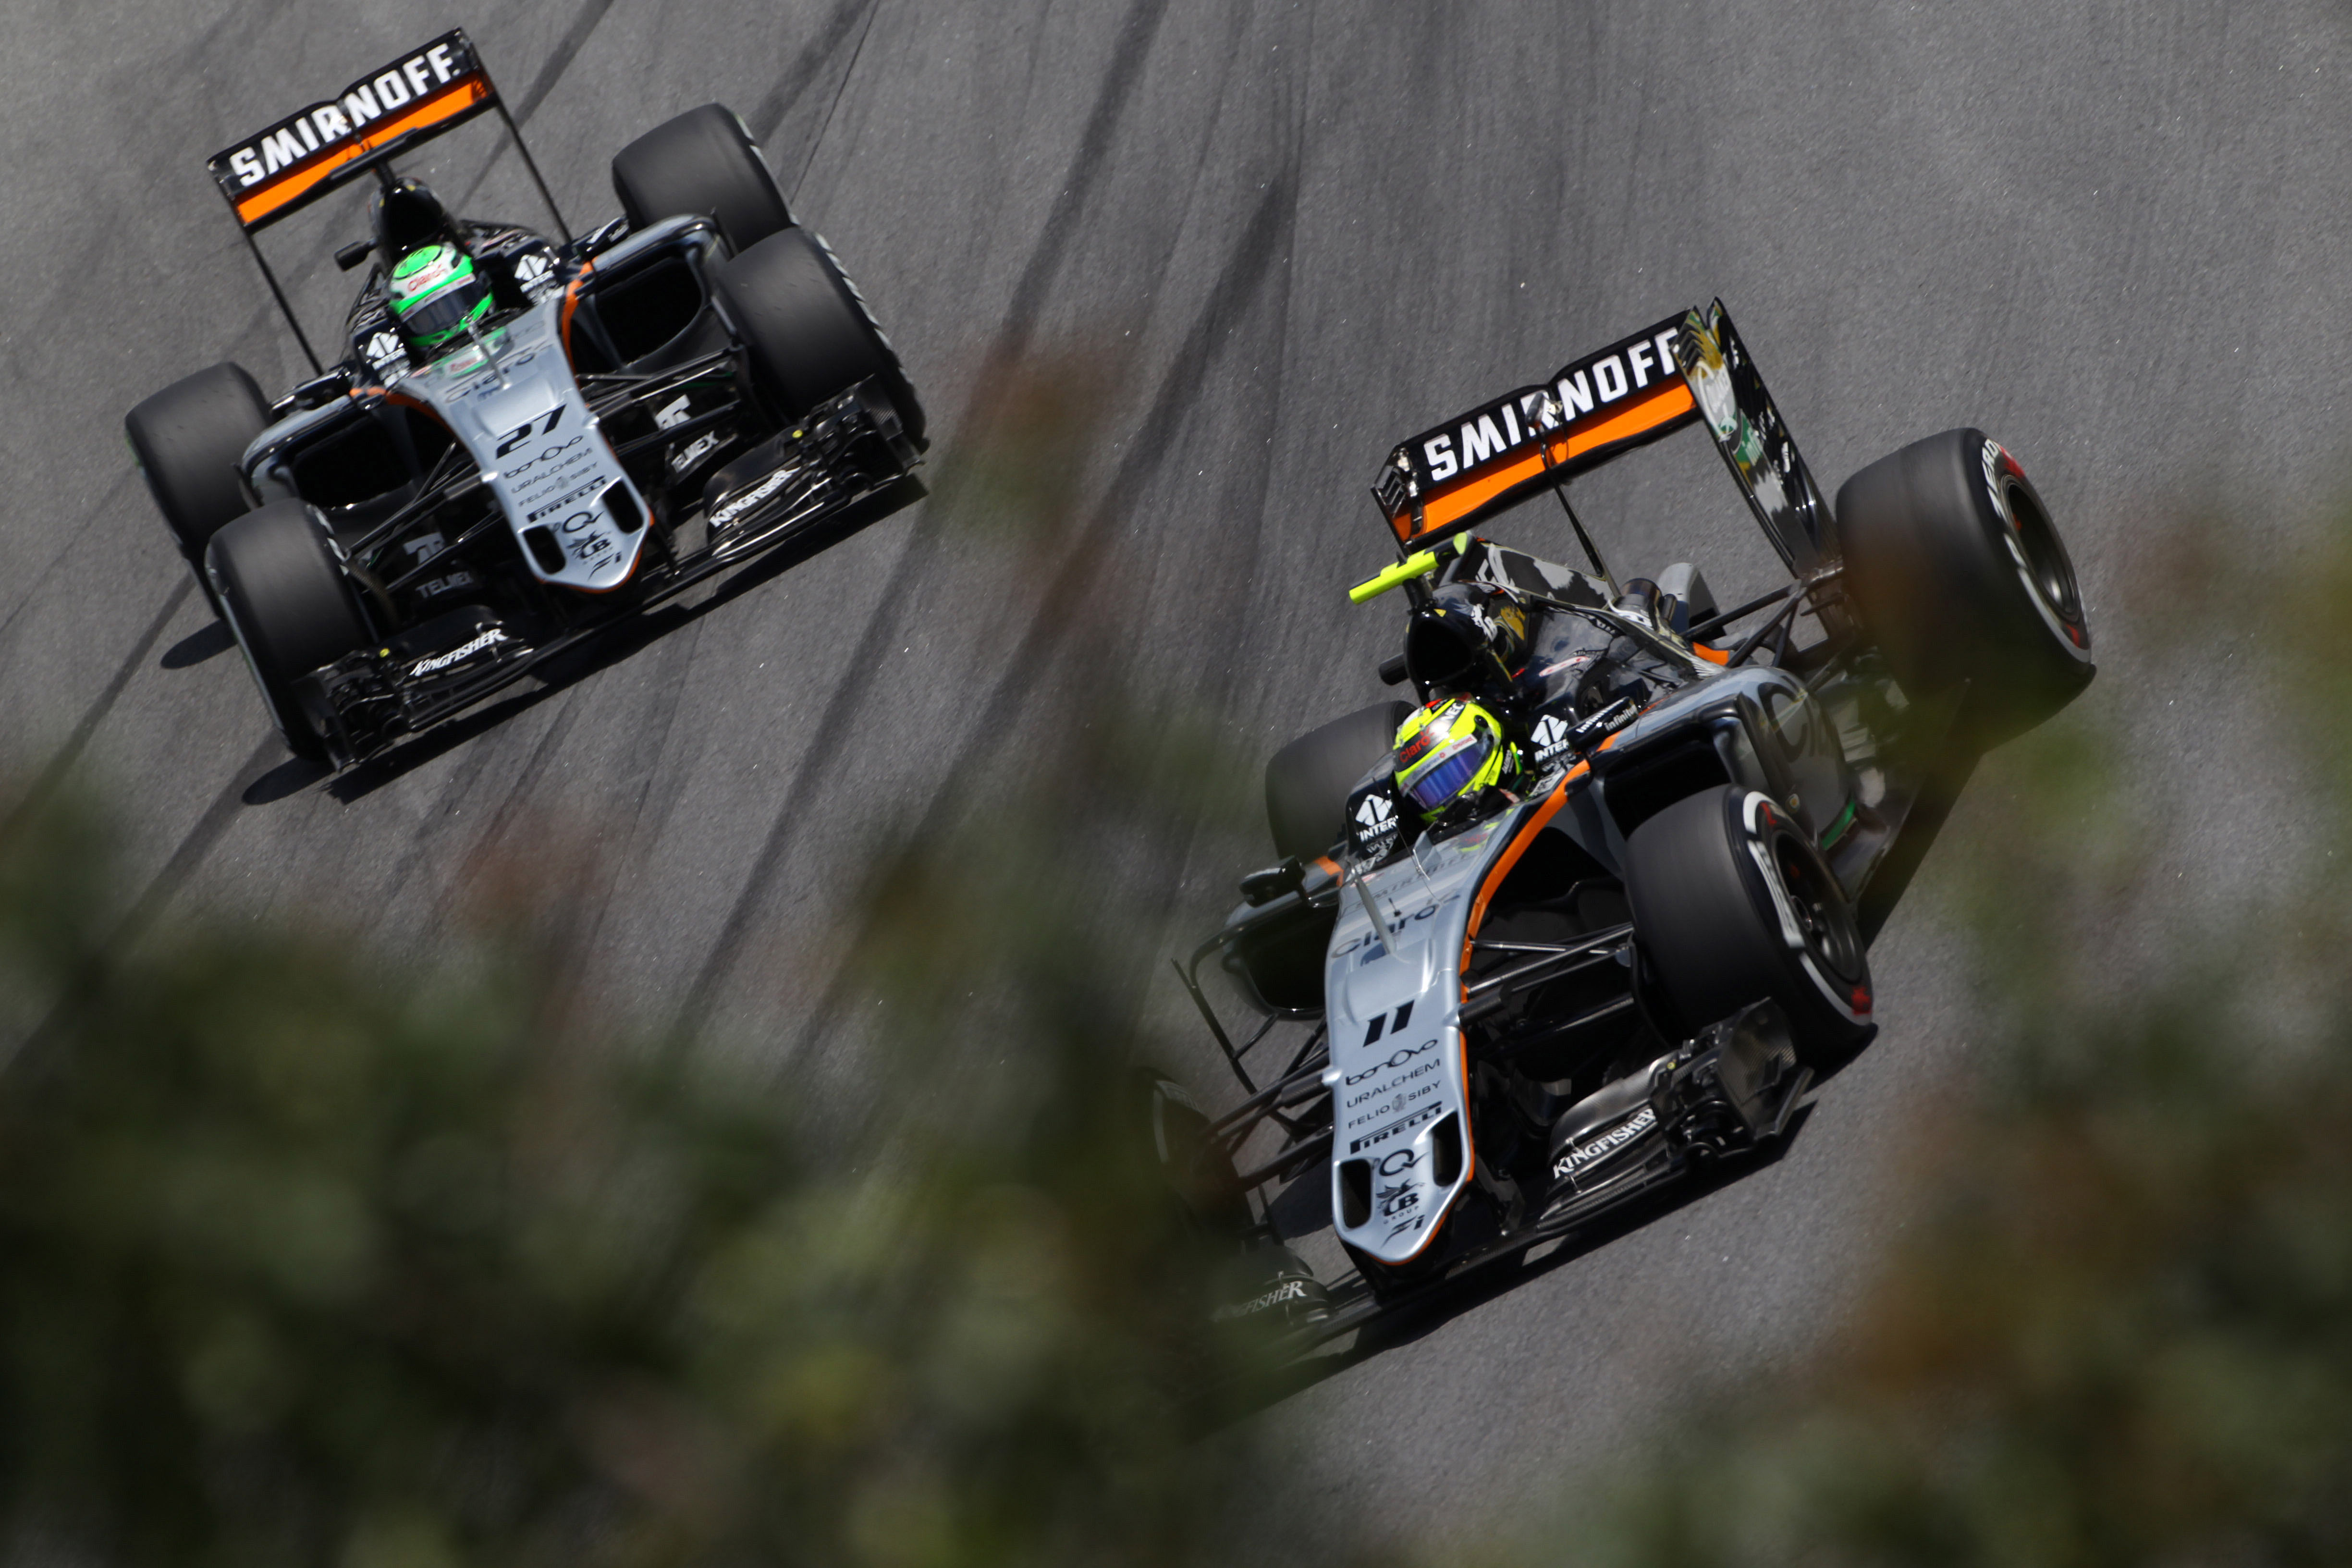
441 316
437 293
1435 781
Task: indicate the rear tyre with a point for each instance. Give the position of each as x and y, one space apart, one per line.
1960 575
703 163
187 439
1733 904
287 599
809 333
1307 782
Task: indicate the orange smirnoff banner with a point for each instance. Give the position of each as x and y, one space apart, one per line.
1497 454
284 167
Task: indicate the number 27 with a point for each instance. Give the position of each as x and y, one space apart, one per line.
522 433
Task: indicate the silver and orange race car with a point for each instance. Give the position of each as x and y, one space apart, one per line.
579 427
1639 943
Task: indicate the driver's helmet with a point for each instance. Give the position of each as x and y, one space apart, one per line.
437 293
1447 751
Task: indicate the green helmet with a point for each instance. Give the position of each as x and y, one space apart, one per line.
1447 751
436 294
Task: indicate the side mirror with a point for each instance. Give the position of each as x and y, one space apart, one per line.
354 253
311 393
1392 670
1265 887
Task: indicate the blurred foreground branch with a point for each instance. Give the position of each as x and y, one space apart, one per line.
2119 1330
308 1260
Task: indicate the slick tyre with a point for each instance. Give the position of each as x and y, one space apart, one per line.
187 439
1960 575
1733 904
703 163
1197 1171
808 331
286 598
1307 782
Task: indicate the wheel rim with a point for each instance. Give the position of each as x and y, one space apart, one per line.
2048 570
1829 936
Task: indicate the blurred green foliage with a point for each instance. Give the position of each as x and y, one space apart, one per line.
305 1258
2119 1328
308 1259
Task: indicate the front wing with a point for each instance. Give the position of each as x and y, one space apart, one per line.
843 452
1731 1089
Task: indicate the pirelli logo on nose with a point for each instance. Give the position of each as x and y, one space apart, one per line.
429 92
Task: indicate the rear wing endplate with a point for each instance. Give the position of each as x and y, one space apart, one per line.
1755 441
1687 369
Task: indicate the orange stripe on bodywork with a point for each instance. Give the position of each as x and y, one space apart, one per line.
571 303
1671 401
446 104
1712 655
1495 879
1527 836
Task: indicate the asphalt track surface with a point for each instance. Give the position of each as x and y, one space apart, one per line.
2113 235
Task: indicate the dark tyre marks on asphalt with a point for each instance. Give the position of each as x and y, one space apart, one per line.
1263 395
815 58
108 506
185 856
516 793
646 760
70 752
1045 262
1121 78
200 839
559 59
1235 296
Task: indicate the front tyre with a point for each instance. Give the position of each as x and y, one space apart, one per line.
1960 575
703 163
1195 1169
1733 904
287 599
808 331
1307 782
188 440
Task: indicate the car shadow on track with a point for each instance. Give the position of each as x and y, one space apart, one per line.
1506 1274
212 637
620 641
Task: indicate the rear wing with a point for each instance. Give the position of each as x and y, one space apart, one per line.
1685 370
412 101
324 146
